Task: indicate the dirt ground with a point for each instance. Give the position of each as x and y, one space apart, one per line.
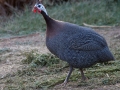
11 49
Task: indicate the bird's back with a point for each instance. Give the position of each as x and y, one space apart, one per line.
80 46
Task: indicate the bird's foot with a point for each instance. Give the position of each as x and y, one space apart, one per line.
84 79
64 83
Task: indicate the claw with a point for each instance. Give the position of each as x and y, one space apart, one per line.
64 84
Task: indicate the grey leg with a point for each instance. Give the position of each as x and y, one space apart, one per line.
82 74
68 76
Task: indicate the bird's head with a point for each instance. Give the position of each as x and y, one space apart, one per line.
39 7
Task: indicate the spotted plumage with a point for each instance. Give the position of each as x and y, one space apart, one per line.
81 47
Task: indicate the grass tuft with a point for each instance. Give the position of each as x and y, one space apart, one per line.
35 59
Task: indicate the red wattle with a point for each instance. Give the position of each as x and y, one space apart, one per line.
34 10
39 11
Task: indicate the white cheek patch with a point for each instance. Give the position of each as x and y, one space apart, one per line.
41 7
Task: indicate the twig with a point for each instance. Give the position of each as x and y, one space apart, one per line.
24 36
11 7
94 26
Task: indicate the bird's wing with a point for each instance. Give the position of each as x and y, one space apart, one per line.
87 42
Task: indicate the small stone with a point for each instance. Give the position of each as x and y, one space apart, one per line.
118 85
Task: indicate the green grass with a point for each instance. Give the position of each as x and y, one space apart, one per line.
35 59
91 12
42 72
46 76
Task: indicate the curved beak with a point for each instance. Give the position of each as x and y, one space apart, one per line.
34 9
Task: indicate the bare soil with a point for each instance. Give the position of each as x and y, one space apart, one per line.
11 50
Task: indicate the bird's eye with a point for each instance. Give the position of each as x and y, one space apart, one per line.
39 6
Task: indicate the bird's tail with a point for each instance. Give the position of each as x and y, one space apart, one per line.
105 55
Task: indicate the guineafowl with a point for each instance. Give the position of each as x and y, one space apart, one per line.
79 46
